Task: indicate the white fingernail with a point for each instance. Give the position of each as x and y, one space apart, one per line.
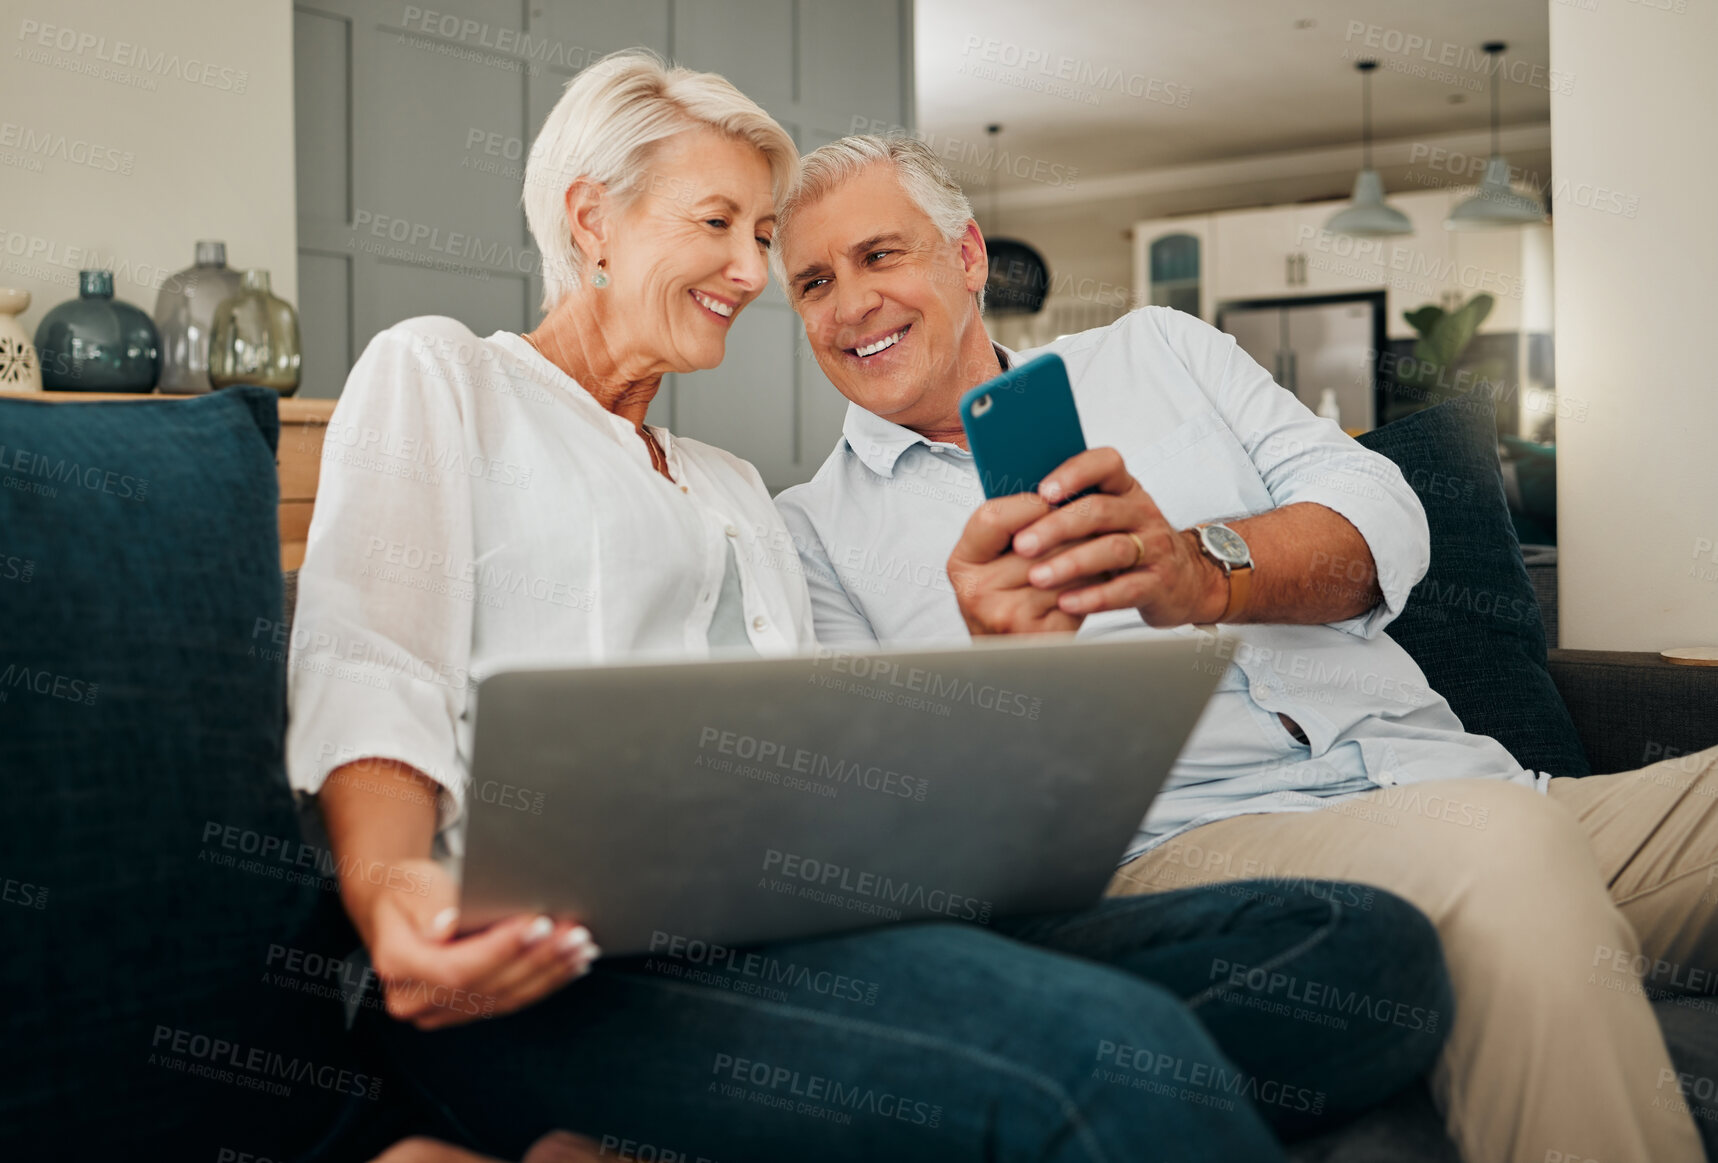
444 920
539 928
576 938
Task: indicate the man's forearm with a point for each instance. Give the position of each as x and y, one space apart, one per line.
1310 566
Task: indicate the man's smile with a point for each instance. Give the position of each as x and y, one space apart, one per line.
875 345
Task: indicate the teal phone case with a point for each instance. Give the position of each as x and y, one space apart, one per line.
1021 426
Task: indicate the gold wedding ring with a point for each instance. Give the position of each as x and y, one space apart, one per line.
1138 552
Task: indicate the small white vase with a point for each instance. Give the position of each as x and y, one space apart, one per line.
20 370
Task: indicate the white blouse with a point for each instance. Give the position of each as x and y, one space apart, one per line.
479 509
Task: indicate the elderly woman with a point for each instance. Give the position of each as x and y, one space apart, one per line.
498 500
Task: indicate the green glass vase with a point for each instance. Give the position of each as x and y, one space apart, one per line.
96 343
254 339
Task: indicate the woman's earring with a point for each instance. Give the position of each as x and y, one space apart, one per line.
599 277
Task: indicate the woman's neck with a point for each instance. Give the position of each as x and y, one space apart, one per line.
574 340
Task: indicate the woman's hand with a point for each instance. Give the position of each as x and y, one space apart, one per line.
433 979
381 818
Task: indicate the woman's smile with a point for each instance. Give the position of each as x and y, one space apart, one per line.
716 307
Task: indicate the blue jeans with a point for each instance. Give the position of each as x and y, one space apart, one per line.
1064 1041
1337 993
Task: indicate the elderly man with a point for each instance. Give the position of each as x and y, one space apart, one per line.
1323 752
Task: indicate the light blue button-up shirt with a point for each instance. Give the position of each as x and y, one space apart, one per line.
1207 433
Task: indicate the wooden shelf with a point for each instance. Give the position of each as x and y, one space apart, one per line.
293 409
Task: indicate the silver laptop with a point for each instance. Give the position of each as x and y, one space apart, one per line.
735 802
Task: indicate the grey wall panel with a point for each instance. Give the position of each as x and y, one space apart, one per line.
413 128
563 38
325 315
821 408
572 33
851 57
483 303
322 112
747 404
751 42
662 407
415 135
321 65
422 221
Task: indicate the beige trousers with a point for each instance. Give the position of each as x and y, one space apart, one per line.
1559 914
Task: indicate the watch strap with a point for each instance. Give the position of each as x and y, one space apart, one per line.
1240 576
1240 588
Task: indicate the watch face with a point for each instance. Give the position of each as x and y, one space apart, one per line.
1225 545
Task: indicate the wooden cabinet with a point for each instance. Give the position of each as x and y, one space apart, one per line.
298 458
303 424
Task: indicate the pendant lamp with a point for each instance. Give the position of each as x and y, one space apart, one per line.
1019 277
1496 206
1368 215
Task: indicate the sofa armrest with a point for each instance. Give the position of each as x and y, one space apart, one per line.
1633 708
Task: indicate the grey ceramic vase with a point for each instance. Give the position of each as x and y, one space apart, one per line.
184 313
254 339
96 343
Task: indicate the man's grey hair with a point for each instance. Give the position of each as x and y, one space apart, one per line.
921 174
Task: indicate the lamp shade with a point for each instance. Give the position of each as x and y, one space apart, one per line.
1496 206
1019 278
1368 215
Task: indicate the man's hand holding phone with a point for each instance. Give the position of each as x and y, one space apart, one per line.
1024 565
990 580
1034 562
1124 554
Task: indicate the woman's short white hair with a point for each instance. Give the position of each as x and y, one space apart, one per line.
604 128
921 173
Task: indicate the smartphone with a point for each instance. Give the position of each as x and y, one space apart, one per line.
1021 426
